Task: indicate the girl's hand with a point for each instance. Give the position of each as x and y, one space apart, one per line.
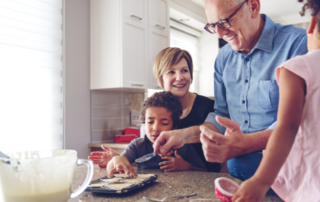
174 163
102 158
122 165
250 190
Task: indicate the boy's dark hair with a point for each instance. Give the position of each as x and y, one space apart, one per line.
314 7
166 100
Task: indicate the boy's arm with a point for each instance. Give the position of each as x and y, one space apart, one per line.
292 92
120 164
177 163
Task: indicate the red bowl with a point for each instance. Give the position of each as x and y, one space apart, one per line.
225 188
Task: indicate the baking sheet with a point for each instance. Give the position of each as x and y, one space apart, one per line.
107 189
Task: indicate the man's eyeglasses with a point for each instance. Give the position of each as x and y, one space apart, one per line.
223 24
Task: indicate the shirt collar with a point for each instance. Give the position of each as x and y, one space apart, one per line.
265 41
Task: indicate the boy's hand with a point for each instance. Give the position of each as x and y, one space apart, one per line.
250 190
120 164
174 163
102 158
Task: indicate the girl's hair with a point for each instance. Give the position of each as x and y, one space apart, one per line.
314 7
168 57
166 100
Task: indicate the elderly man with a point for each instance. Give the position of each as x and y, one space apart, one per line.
245 86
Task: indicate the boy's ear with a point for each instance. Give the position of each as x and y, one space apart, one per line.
312 25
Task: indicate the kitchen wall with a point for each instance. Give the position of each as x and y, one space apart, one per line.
77 116
110 112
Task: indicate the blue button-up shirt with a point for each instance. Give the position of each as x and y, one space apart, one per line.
245 86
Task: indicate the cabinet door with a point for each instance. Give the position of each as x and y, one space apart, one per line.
158 40
135 10
159 14
134 54
159 34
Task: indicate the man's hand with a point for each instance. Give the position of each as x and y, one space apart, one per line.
102 158
120 164
250 190
174 163
167 141
219 148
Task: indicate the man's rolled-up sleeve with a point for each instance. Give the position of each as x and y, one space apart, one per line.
211 118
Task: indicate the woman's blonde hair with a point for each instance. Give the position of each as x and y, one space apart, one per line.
167 58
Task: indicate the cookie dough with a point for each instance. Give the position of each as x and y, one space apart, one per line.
145 176
119 186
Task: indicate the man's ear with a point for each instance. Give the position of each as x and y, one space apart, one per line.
312 25
254 7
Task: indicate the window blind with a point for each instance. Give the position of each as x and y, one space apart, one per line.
31 75
190 43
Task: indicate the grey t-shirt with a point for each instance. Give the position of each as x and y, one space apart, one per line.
142 146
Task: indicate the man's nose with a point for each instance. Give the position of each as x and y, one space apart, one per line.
221 32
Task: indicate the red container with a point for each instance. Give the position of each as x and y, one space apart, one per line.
225 188
132 131
124 138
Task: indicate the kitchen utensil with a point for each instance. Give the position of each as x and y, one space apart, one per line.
225 188
4 156
146 157
161 200
15 168
41 176
109 190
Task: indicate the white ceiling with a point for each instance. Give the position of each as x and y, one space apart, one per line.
280 11
272 8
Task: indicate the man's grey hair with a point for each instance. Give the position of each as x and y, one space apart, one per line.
237 1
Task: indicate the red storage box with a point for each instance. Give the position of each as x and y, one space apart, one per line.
132 131
124 138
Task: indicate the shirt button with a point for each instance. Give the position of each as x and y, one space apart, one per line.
245 121
243 101
247 59
246 81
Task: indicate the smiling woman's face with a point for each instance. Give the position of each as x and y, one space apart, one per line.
177 79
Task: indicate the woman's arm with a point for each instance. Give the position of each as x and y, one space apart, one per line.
292 93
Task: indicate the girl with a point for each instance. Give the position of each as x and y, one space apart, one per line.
291 160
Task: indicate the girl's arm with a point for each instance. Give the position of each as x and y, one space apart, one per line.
292 93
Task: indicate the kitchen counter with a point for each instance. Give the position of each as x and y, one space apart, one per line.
167 184
112 144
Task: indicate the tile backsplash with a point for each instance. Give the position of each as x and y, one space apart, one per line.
110 112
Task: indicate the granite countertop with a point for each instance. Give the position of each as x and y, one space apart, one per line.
167 184
110 144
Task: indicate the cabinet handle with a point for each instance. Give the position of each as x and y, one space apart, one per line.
134 16
140 85
160 26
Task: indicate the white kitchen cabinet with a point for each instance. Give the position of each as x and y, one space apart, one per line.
126 36
159 34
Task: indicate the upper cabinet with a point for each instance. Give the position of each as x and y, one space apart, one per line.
126 36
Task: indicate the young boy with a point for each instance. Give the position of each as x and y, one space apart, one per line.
161 112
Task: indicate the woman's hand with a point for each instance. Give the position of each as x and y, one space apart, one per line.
122 165
250 190
174 163
102 158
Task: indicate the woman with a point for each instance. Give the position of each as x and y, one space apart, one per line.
173 69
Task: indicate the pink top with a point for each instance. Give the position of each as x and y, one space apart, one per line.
299 177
